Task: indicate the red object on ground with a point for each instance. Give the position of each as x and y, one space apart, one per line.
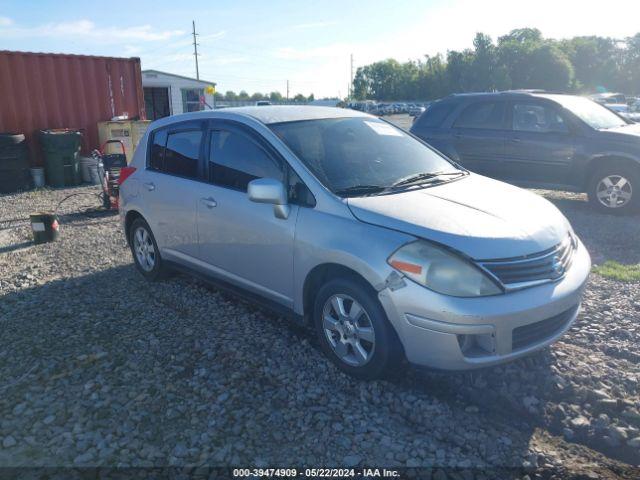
49 90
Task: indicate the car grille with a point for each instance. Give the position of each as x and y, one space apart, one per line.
534 269
533 333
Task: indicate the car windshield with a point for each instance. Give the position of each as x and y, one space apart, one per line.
590 112
360 153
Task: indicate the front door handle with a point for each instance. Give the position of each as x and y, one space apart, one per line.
209 202
150 186
516 140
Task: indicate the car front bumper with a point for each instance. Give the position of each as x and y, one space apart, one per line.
432 326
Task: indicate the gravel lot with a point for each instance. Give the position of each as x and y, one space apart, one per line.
100 368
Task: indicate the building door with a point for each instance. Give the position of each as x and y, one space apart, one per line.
156 102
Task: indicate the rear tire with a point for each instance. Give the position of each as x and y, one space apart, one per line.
615 188
359 339
144 249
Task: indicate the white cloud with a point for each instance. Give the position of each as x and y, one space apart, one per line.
89 30
5 21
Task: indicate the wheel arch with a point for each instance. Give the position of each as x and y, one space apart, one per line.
598 161
129 218
318 275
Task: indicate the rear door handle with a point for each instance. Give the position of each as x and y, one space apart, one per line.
457 135
209 202
516 140
150 186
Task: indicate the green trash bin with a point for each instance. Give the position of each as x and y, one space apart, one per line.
61 163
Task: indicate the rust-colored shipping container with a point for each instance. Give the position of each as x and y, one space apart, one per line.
45 90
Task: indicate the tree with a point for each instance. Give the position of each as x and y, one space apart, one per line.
243 96
230 96
311 98
275 96
299 98
521 59
257 96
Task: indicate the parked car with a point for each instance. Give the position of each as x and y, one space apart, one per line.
262 103
352 225
540 140
609 98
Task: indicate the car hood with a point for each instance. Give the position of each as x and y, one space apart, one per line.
482 218
629 132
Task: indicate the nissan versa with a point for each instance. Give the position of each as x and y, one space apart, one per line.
387 248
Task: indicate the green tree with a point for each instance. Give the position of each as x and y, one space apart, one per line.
300 98
230 96
257 96
275 96
243 96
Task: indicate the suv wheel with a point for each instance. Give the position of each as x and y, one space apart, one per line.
615 188
145 251
353 330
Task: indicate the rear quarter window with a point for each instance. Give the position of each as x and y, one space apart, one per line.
435 115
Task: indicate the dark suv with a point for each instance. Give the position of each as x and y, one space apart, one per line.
540 140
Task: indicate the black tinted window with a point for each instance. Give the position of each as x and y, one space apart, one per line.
482 115
235 160
182 152
156 156
537 118
435 115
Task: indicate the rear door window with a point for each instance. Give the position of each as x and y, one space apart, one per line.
182 153
235 160
483 115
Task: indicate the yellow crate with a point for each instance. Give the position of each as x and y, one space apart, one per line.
129 132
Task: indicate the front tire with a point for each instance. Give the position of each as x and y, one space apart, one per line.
615 188
354 331
146 254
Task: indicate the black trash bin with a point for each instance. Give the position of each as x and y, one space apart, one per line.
14 163
60 148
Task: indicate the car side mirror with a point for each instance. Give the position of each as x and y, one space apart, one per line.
270 190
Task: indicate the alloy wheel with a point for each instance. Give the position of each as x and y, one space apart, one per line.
144 249
614 191
348 330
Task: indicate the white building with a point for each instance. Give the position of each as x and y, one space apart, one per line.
168 94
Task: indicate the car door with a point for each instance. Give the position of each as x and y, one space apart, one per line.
243 241
171 186
479 137
540 145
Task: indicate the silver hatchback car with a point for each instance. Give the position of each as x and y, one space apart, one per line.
355 227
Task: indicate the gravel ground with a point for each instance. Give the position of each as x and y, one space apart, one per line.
100 368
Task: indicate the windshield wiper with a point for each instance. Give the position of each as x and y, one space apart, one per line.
421 177
357 190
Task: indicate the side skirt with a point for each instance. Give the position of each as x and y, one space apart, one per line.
241 293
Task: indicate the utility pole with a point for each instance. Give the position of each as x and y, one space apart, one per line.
351 84
287 90
195 49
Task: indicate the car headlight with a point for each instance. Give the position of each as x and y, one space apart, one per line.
442 271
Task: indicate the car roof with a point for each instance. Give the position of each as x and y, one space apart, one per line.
268 114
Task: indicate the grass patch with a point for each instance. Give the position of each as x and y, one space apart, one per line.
618 271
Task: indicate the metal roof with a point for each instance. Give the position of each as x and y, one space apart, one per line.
204 82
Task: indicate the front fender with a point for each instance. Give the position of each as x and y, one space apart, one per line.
326 238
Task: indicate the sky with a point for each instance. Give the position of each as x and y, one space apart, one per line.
257 45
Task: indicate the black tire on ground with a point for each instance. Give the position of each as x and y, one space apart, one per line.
615 171
159 270
387 357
